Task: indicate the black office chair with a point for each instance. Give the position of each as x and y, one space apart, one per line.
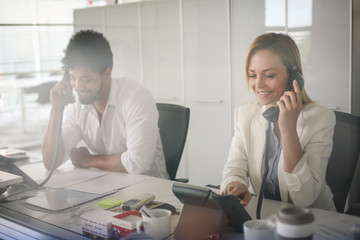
344 157
173 124
354 193
43 91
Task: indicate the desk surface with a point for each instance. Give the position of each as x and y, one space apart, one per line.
70 219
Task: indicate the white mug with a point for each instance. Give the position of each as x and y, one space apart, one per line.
158 226
259 229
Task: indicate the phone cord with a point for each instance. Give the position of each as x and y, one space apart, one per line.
52 169
266 164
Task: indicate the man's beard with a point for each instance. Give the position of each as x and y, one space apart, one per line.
92 97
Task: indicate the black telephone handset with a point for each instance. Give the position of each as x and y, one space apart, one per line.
272 114
70 96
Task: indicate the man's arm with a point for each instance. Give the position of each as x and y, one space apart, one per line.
59 99
81 157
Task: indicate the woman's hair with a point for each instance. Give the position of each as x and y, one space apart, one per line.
88 48
282 45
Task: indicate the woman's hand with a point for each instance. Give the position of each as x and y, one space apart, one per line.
290 105
238 190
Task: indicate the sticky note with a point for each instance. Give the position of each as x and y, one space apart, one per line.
108 203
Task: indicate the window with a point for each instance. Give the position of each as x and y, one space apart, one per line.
34 33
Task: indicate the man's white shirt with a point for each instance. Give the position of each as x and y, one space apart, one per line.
129 125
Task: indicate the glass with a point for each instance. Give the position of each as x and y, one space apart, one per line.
53 40
17 11
275 13
17 49
300 13
59 11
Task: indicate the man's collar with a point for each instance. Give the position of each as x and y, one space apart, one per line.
112 94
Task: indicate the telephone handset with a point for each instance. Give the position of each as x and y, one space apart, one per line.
70 96
293 74
272 114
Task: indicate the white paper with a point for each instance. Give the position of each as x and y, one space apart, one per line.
106 183
336 227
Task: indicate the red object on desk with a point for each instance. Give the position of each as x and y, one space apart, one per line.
125 223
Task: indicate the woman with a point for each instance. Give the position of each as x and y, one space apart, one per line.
300 142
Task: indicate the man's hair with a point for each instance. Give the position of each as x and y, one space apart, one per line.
88 48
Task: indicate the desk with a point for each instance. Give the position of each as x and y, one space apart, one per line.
21 85
69 221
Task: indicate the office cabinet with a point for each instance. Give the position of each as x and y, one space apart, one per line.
192 52
161 52
122 31
247 22
327 68
206 70
90 18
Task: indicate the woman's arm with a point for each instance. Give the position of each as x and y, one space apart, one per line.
307 180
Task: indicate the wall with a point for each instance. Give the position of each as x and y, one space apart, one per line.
191 52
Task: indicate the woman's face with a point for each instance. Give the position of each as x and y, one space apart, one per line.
268 77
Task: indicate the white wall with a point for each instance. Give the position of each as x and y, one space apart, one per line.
192 52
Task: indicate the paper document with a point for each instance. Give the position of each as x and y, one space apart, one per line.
107 183
333 228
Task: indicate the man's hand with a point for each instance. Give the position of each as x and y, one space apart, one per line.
238 190
80 157
61 93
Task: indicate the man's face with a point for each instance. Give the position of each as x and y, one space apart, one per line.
87 83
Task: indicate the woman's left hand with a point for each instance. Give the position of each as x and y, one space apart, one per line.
290 105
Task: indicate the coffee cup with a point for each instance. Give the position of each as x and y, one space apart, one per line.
294 223
259 230
158 225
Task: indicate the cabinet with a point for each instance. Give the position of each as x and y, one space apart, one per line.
192 52
207 76
161 50
90 18
122 31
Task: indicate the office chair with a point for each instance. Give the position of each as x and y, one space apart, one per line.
344 157
354 193
173 124
43 91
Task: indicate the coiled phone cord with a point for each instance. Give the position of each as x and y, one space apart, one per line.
53 165
266 164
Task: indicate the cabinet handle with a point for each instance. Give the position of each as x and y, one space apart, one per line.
333 108
164 98
200 100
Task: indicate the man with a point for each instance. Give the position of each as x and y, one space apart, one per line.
116 118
